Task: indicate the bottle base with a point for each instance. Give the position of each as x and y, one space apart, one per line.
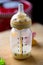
21 56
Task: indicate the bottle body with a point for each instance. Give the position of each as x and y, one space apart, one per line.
21 42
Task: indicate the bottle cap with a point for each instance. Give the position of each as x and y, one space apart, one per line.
20 20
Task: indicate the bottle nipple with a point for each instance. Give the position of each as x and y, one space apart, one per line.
20 8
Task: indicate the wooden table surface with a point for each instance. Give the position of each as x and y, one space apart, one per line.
36 57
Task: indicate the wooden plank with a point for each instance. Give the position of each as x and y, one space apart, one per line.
36 57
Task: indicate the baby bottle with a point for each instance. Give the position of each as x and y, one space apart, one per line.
21 34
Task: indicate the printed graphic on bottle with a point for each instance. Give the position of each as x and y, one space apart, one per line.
21 44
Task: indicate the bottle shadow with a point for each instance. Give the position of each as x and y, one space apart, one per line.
29 60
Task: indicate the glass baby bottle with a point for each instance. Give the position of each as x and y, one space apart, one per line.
20 35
